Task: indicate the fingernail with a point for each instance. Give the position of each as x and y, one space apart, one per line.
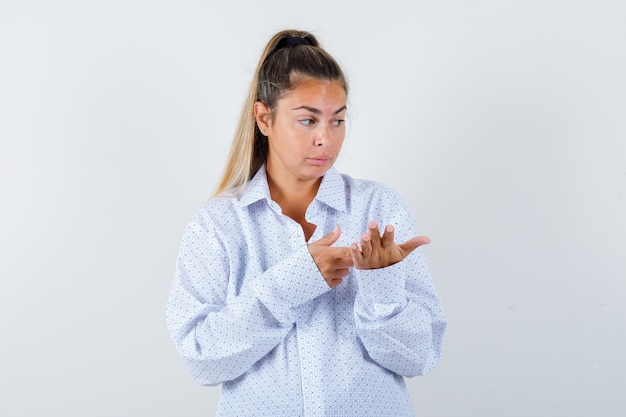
389 228
372 225
353 246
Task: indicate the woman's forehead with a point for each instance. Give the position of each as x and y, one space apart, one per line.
311 93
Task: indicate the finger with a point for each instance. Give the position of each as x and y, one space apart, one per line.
388 234
338 273
366 245
340 252
357 256
330 238
342 273
413 243
334 282
343 263
372 227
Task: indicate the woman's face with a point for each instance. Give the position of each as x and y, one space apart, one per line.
305 131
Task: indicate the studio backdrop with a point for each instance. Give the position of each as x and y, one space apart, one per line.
501 122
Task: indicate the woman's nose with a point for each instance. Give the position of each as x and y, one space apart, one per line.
322 138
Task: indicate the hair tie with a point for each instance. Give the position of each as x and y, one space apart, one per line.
293 41
297 41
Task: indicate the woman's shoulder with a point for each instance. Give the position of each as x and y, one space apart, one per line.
374 196
215 211
381 202
369 188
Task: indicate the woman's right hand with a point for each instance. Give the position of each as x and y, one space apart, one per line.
333 262
381 251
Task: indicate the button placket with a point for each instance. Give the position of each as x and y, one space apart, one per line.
312 391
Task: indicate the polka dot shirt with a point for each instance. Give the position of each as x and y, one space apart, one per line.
249 309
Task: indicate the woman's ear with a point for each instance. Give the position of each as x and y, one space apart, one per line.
262 115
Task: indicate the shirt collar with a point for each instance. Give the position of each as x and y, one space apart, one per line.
256 189
332 191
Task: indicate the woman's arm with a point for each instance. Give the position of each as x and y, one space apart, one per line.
220 338
398 315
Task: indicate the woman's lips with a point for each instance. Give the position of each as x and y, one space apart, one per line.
320 160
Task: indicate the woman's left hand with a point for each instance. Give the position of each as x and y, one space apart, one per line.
380 251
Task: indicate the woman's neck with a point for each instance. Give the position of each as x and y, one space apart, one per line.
294 198
294 192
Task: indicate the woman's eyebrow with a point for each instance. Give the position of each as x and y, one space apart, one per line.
317 111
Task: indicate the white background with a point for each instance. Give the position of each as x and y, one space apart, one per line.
503 123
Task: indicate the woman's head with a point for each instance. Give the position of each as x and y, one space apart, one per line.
290 58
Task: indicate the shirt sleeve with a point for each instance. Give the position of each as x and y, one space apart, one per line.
398 315
220 337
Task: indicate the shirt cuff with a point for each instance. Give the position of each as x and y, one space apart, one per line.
382 291
289 284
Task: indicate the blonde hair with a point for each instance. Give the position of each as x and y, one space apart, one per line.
289 56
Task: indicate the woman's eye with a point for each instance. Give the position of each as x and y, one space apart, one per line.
307 122
338 122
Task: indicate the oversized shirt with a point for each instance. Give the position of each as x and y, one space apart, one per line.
249 308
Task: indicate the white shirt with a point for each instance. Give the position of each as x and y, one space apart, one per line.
249 308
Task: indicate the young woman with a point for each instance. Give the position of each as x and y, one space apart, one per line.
273 297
